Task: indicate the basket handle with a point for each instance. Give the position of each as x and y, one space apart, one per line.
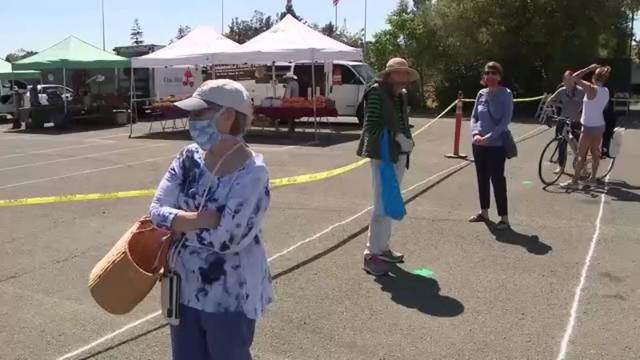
161 257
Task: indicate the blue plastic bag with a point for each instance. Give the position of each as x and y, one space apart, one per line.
392 201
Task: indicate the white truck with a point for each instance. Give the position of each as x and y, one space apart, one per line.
342 81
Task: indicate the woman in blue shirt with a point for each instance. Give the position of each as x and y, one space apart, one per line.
214 198
489 121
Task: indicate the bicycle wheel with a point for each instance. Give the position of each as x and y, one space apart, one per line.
549 168
605 167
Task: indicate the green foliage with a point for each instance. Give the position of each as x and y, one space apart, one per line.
136 35
242 31
182 32
19 55
448 41
288 10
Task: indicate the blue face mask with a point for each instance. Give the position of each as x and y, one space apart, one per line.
205 132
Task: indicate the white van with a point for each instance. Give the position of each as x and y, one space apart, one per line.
342 81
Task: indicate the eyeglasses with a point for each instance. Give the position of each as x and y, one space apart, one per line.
491 72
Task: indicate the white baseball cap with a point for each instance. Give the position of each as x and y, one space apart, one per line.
223 92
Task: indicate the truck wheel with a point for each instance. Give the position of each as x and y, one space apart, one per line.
61 121
32 124
360 114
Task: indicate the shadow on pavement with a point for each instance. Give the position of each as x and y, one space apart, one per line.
531 243
124 342
72 129
418 292
617 190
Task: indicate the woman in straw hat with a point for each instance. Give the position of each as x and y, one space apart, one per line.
490 121
214 199
386 109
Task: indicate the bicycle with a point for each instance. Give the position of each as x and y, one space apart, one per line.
552 166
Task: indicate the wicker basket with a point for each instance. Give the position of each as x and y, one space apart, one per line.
126 275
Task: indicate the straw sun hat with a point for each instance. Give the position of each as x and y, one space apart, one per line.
399 64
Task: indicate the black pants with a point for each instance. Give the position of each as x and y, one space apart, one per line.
610 121
576 128
490 162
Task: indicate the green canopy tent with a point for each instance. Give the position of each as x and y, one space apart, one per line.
7 73
72 53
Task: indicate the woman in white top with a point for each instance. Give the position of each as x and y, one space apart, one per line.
595 101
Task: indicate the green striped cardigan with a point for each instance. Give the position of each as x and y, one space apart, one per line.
383 110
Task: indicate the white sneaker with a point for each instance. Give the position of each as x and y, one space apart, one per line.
570 185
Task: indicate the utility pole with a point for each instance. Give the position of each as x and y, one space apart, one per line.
104 45
364 43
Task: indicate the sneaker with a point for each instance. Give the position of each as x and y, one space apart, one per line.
558 171
478 218
570 185
373 265
391 256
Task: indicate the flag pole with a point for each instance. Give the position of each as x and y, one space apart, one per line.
335 4
222 32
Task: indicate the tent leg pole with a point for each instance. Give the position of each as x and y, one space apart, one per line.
273 78
64 83
313 97
131 106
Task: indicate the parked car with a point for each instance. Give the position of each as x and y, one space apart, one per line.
7 107
45 89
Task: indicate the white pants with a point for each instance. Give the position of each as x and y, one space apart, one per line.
380 227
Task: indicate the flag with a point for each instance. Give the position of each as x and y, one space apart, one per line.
336 2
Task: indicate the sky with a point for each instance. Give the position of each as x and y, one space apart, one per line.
36 25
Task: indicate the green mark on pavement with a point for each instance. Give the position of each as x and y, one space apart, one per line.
425 272
527 183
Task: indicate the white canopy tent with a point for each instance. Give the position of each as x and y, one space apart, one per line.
290 40
199 47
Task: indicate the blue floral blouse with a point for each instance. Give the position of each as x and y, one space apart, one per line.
223 269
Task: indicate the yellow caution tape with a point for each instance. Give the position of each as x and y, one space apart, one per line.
302 179
76 198
275 183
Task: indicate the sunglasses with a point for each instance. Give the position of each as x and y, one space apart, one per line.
491 72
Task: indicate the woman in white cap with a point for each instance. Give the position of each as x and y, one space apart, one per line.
386 109
214 198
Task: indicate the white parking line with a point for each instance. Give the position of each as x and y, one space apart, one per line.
80 157
50 150
564 345
86 172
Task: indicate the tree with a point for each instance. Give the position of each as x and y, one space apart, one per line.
448 41
136 36
288 10
19 55
182 32
343 34
242 31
